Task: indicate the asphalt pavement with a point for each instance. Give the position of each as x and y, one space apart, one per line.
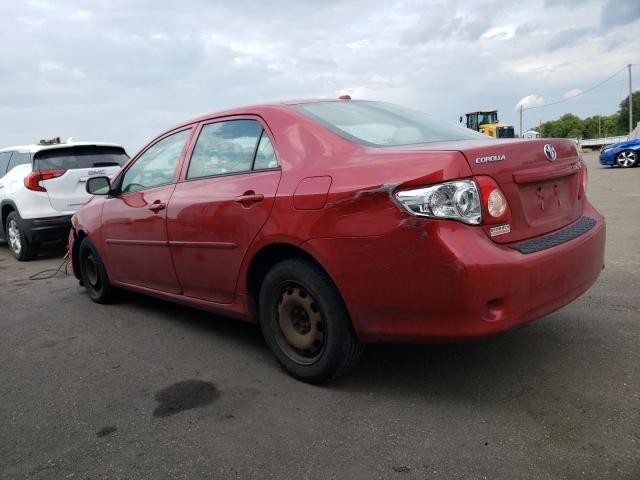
148 389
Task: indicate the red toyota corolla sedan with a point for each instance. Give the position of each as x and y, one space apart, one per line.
334 223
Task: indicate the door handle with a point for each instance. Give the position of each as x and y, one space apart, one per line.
249 197
157 206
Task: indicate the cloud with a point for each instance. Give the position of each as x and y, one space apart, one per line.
525 29
124 71
568 38
529 101
444 22
620 12
574 92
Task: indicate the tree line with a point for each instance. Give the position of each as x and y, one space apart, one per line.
572 126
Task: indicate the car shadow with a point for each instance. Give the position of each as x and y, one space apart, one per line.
491 367
51 250
210 324
478 370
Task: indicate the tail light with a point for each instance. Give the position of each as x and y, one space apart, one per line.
495 208
32 181
584 179
470 201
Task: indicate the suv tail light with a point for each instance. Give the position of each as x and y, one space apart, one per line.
470 201
32 181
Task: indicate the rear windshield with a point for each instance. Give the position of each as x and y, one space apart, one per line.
381 124
88 156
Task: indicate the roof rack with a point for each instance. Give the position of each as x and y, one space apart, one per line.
52 141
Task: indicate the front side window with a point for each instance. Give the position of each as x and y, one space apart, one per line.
157 165
225 147
381 124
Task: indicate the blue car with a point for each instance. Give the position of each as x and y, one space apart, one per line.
624 154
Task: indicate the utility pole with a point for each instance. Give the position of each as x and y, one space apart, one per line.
521 118
630 102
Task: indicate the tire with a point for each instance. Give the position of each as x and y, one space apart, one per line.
305 322
93 275
19 245
627 159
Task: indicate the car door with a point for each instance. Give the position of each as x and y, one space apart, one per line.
134 220
222 203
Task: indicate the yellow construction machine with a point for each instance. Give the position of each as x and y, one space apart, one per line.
486 121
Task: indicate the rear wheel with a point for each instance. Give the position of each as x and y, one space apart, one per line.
305 322
93 274
627 159
19 244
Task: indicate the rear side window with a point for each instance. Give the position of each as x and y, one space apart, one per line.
381 124
70 158
265 155
225 147
18 158
4 162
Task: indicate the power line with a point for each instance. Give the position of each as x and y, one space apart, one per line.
582 92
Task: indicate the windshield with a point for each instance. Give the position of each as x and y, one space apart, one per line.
487 117
85 156
381 124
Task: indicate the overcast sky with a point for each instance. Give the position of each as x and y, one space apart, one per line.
123 71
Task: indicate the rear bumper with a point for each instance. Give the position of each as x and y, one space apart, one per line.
46 229
445 281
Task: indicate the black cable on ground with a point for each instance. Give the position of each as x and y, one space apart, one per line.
48 274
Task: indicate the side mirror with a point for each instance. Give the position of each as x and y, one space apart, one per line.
98 186
460 118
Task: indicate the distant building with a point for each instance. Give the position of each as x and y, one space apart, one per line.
531 134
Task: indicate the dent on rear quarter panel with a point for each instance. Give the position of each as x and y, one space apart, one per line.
362 202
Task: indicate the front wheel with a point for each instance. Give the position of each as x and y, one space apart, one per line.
19 244
93 274
627 159
305 322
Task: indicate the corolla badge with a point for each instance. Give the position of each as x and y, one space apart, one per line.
550 152
491 158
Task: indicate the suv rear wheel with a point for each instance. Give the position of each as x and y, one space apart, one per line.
19 244
305 322
93 274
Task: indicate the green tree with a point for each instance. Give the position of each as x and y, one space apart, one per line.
601 126
623 113
567 126
572 126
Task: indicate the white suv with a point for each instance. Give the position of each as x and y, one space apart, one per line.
42 185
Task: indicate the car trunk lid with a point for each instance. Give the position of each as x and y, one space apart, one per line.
543 194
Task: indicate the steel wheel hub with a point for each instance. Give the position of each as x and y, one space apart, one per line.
91 267
301 324
15 241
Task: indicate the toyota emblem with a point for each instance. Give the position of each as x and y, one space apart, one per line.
550 152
